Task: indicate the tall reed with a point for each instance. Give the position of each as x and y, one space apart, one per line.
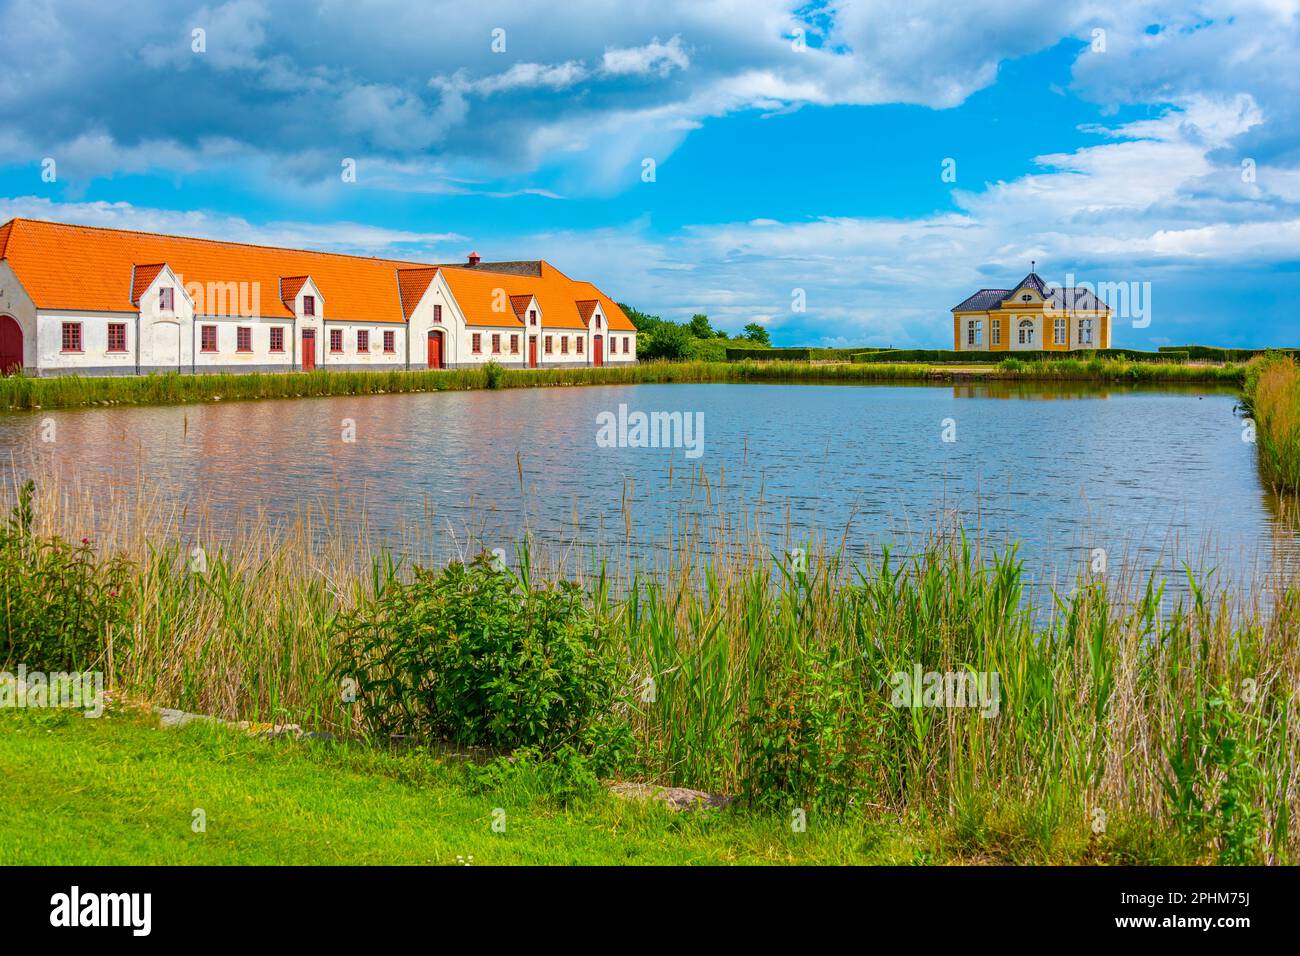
1272 398
1112 699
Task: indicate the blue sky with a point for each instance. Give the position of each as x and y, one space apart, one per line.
1105 142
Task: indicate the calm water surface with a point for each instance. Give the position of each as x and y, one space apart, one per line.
1062 469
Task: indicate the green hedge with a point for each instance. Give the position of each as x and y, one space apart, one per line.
1212 354
948 355
769 355
742 354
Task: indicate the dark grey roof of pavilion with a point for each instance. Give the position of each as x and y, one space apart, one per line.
1072 298
519 268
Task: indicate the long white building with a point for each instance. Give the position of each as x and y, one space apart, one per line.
91 301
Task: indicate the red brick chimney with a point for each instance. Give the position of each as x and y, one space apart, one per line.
473 258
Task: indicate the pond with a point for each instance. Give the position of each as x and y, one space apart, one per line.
1149 474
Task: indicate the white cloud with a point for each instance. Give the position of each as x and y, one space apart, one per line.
653 57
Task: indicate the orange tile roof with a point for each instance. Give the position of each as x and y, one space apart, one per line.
89 268
519 303
144 276
290 286
586 307
412 284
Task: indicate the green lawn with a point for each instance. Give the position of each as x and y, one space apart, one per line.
118 790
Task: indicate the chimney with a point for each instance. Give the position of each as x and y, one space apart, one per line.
473 258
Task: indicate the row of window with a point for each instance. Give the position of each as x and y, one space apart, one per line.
1025 332
548 344
71 339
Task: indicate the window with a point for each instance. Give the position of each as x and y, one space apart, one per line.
117 336
277 339
975 332
336 340
363 340
477 345
243 339
547 349
167 300
532 316
496 344
626 348
309 305
390 340
207 338
579 346
514 345
597 320
564 345
437 313
1026 332
1059 334
995 331
613 345
1085 331
1026 298
72 336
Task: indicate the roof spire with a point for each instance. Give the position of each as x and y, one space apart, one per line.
1031 265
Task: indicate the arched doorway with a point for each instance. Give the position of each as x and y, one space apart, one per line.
598 351
11 345
435 348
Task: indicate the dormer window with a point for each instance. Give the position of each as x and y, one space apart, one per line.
532 316
167 300
309 305
437 313
597 320
1026 298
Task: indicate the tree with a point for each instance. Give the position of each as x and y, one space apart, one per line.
642 321
668 341
700 327
757 334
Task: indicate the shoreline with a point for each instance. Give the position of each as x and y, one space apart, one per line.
23 394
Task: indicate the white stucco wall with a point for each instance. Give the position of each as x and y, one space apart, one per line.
15 302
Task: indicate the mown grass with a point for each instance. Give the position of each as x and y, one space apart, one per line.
1272 399
1172 725
22 392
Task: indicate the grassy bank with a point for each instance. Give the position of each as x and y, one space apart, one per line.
20 392
1272 399
1120 730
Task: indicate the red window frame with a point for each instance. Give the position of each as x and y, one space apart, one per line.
207 338
546 348
390 340
496 344
532 316
564 345
117 336
243 338
476 343
514 345
597 321
613 345
277 338
626 347
336 340
579 345
167 299
70 337
437 313
309 305
363 340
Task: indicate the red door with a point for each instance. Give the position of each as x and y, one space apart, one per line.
11 345
308 349
598 352
435 349
532 351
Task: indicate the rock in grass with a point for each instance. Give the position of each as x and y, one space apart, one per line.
677 798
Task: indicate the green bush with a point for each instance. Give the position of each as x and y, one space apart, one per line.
667 341
1213 354
806 740
494 374
59 602
475 655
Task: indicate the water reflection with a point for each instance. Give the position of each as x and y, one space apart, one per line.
1059 468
